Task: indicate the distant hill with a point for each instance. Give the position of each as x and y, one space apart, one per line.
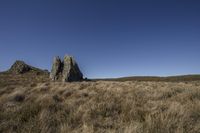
155 78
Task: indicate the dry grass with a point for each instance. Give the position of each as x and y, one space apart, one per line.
102 106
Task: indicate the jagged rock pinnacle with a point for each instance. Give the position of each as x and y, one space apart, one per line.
66 70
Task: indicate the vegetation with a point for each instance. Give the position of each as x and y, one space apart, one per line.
31 103
150 78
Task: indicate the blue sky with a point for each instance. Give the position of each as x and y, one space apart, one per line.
108 38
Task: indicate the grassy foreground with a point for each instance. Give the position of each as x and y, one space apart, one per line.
29 104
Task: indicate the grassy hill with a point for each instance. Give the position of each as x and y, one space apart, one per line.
30 102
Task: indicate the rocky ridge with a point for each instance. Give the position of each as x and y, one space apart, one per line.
20 67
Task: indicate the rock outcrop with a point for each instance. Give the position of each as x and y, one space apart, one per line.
20 67
71 71
56 68
66 70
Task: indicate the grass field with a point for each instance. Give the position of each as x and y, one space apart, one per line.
32 103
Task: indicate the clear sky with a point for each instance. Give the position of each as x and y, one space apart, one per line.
108 38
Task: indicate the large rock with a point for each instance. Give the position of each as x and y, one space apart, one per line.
67 71
56 68
71 71
19 67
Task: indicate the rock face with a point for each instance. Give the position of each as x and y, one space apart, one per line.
67 71
19 67
56 68
71 71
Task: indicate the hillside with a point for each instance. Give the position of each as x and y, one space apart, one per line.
30 102
154 78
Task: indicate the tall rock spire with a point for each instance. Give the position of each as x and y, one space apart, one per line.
66 70
56 68
71 71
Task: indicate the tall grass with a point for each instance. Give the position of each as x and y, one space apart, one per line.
102 106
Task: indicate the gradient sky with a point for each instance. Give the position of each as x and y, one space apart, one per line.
108 38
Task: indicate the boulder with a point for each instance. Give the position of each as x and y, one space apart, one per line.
71 71
56 68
